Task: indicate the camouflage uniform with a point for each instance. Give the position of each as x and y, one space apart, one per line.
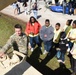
19 41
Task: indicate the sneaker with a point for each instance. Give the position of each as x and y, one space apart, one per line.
59 60
63 62
45 52
32 49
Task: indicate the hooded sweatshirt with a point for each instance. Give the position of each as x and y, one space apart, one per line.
49 31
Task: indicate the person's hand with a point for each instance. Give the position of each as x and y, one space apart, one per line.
26 33
45 35
69 37
31 33
71 51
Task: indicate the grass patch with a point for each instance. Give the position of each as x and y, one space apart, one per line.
7 27
46 64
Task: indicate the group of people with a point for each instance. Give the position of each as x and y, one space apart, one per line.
26 6
63 40
71 4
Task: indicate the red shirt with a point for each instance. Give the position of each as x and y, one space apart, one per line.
32 28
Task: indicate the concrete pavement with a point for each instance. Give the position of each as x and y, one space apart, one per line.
44 13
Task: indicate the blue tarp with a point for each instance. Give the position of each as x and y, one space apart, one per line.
59 9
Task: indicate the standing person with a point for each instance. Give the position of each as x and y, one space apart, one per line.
35 10
73 59
57 31
63 45
32 30
16 8
56 2
71 6
72 35
72 40
68 26
46 35
64 6
18 40
25 7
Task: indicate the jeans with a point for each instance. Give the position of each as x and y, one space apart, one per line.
58 54
47 45
62 57
35 40
73 64
35 13
64 9
70 45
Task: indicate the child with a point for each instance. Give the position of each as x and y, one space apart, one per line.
16 8
63 45
73 62
35 9
46 35
72 38
68 26
57 31
25 7
72 35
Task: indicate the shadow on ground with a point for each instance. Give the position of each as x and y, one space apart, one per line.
38 16
42 67
62 70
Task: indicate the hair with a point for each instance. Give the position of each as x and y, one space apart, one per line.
33 18
35 3
69 21
18 26
58 24
62 34
25 4
47 20
74 22
64 0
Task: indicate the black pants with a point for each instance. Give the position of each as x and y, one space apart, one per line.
73 64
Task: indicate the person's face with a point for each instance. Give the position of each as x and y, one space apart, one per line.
67 22
18 31
73 25
47 23
57 27
32 20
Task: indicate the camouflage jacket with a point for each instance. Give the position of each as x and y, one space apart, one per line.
17 41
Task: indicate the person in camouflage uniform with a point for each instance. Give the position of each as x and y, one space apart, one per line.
18 39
